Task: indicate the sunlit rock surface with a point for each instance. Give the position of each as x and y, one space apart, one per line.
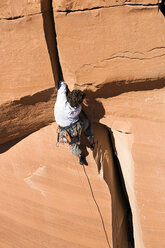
137 120
117 55
112 44
72 5
48 199
25 69
25 64
16 8
114 50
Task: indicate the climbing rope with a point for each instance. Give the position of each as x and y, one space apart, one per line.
94 199
75 163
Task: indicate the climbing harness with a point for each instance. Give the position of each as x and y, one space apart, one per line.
62 136
70 134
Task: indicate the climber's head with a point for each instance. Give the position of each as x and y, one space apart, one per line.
75 97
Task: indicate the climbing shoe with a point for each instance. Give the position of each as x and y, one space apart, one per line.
91 142
92 147
83 161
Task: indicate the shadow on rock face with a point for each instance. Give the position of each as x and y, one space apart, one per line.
50 38
6 146
161 7
109 166
94 111
93 107
113 89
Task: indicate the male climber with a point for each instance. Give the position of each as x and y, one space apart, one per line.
72 120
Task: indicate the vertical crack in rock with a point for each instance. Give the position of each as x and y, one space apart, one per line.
107 161
50 37
119 173
121 212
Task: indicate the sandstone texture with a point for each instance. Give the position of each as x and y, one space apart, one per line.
119 43
25 64
25 67
49 200
115 51
72 5
139 140
12 9
117 56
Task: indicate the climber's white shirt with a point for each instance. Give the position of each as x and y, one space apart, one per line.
63 112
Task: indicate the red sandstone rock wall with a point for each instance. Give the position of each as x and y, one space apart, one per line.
111 44
25 70
25 64
117 55
47 203
115 51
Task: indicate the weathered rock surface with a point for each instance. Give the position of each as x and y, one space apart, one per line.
114 50
27 81
47 203
111 45
25 64
16 8
26 115
72 5
137 120
108 166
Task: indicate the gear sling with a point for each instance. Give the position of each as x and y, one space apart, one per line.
70 134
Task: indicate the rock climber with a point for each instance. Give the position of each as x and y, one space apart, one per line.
72 120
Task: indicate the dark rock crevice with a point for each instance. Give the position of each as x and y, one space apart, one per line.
30 113
134 58
161 7
129 217
68 11
13 18
107 161
50 37
40 108
121 211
